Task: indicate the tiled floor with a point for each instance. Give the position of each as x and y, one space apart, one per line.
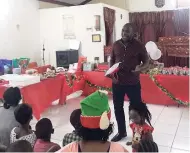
171 125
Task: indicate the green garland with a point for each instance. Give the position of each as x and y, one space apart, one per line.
170 95
98 87
151 75
68 80
180 102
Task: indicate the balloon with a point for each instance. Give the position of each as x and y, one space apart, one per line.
155 55
151 47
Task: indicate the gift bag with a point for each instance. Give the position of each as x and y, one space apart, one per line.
81 60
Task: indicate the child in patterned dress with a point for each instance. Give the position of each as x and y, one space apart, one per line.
139 115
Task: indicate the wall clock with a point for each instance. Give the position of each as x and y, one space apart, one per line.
159 3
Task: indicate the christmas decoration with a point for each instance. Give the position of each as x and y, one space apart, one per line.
180 102
151 73
70 78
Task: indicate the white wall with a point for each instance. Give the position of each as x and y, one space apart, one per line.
149 5
51 29
19 29
48 5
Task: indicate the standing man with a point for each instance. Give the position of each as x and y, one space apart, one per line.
134 59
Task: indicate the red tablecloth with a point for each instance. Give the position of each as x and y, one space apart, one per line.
42 94
150 92
78 84
176 85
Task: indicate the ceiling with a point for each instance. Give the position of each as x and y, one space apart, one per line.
67 2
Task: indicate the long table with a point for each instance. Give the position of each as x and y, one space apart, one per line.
41 95
176 85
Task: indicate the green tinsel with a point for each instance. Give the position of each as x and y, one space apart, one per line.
151 75
98 87
171 96
68 80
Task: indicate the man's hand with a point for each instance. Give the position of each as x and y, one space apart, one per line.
114 77
110 76
138 69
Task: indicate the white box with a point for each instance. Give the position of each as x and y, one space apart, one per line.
20 80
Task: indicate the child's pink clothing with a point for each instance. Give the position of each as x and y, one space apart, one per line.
43 146
73 147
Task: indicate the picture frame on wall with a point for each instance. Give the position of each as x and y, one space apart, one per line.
96 38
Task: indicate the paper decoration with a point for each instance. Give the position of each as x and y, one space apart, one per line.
155 55
113 69
69 27
151 47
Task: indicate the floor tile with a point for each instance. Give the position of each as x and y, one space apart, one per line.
173 150
163 139
161 127
168 122
164 149
183 129
172 111
33 121
186 113
169 119
61 131
181 143
123 143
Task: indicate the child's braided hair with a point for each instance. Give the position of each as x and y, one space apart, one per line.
142 110
147 146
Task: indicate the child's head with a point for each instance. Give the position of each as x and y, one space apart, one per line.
139 113
147 146
12 97
20 146
75 119
23 114
44 129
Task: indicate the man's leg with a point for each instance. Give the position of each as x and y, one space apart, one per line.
118 101
134 93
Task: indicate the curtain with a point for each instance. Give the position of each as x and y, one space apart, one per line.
109 19
181 18
153 25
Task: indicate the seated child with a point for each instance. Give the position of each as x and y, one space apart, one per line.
44 129
23 115
20 146
147 146
139 114
75 122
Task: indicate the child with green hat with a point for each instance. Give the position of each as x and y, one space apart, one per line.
95 126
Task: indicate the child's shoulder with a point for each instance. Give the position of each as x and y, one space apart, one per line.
147 128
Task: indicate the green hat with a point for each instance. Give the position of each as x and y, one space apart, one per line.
95 111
